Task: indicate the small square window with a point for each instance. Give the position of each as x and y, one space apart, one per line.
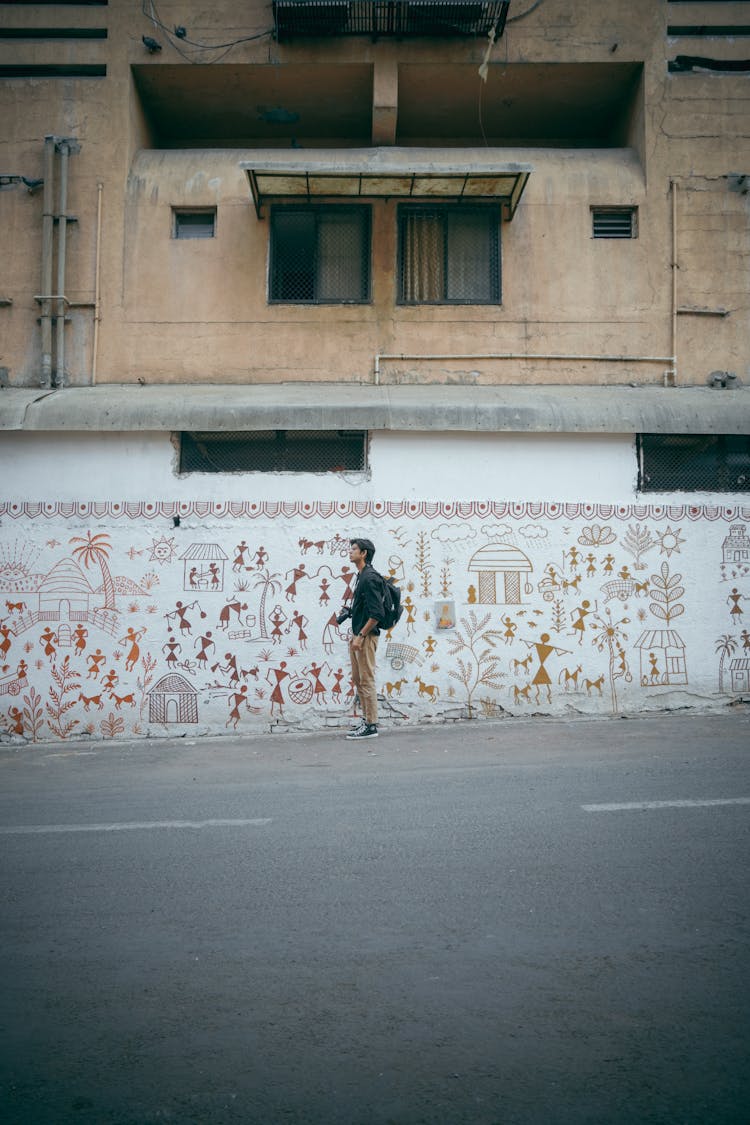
274 451
199 223
320 254
693 463
449 255
614 222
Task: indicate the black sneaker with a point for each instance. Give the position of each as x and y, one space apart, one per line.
367 730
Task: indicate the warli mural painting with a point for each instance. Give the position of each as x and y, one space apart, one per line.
134 619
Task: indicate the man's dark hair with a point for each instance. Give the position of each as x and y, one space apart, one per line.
365 545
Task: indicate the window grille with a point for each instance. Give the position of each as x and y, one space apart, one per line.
274 451
320 254
693 463
449 255
614 222
194 224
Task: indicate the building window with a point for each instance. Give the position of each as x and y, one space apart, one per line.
693 463
614 222
320 254
449 255
196 223
274 451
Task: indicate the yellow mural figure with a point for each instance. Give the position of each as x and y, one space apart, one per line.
543 650
472 595
583 612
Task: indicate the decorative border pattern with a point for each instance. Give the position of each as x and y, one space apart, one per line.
363 509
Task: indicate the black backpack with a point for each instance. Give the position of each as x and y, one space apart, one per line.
391 604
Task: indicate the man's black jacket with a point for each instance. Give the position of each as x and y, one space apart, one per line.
368 599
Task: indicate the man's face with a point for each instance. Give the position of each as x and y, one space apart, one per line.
357 556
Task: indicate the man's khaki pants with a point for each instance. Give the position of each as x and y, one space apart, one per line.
363 676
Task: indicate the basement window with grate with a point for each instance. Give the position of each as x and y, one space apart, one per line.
196 223
274 451
693 463
449 255
614 222
320 254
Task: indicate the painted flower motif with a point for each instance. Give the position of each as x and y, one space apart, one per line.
593 535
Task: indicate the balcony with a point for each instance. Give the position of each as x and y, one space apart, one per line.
393 19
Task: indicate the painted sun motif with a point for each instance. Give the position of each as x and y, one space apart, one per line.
669 541
163 550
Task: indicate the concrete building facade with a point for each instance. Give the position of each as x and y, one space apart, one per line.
468 278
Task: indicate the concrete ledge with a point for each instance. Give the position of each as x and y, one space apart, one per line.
323 406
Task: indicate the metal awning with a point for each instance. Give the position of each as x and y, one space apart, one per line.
387 18
385 174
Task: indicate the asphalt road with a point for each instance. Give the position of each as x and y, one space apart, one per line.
449 926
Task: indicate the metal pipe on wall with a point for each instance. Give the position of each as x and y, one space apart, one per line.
97 283
47 234
62 229
674 281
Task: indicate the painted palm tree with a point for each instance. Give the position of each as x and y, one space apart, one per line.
725 646
95 549
268 581
608 636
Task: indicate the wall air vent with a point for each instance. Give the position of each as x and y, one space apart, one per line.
388 18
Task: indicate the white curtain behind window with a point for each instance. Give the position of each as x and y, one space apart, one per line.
469 258
423 264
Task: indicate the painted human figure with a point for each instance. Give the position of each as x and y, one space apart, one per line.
319 689
215 580
338 676
132 638
299 621
261 557
193 578
591 568
111 680
574 557
411 614
429 645
510 629
21 671
472 595
745 638
6 642
609 563
624 573
579 627
347 576
330 632
230 667
95 661
236 700
16 720
47 638
655 673
227 610
79 636
543 650
206 643
278 618
735 612
297 572
171 648
181 612
324 598
277 696
239 559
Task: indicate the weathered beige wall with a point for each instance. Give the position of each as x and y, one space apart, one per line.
175 311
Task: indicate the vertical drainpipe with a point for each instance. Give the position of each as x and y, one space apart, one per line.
62 228
47 233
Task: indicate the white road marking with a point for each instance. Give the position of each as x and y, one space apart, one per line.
626 805
131 826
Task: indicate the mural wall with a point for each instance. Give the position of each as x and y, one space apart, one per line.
120 620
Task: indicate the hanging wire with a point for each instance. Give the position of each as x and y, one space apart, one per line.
148 8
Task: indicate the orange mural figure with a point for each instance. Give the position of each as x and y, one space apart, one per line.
510 629
655 673
297 572
299 621
46 639
6 642
206 643
79 636
609 563
239 559
171 648
111 680
324 598
132 638
543 650
277 696
338 676
278 618
472 595
16 720
745 638
237 698
429 645
95 661
261 557
624 573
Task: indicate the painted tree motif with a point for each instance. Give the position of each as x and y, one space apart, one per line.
268 582
66 679
481 670
637 540
33 714
726 646
608 636
95 549
422 562
666 592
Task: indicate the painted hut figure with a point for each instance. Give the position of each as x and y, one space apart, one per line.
736 546
740 672
173 700
64 594
506 561
662 658
204 567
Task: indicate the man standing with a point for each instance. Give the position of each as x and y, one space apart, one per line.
367 613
